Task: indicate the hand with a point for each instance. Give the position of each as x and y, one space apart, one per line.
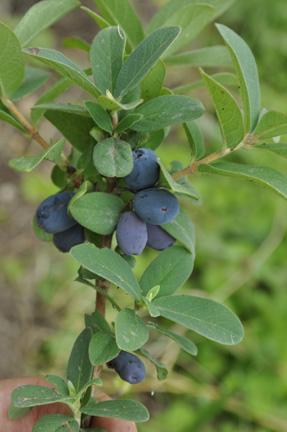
26 423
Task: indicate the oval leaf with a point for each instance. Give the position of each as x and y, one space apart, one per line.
214 56
131 331
109 265
12 65
113 157
272 124
246 70
106 54
167 110
121 409
103 348
186 344
101 117
98 211
204 316
79 368
264 176
170 269
64 66
56 423
182 229
42 15
143 57
34 395
227 110
127 122
152 83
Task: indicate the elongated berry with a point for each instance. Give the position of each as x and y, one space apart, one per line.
156 206
145 172
129 367
52 214
131 234
158 238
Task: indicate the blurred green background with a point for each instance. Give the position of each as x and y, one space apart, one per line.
241 256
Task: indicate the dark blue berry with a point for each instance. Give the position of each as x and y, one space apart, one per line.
131 234
156 206
145 172
73 236
129 367
52 214
158 238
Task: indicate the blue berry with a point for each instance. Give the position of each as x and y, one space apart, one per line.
145 172
52 214
73 236
158 238
156 206
129 367
131 234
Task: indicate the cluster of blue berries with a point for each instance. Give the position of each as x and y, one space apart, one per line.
52 217
152 207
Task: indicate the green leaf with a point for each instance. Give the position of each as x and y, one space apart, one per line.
127 122
106 55
228 112
15 413
182 229
195 139
264 176
143 57
85 187
40 16
246 70
64 66
79 368
162 369
173 6
62 107
7 118
76 42
272 124
49 96
226 78
170 269
103 348
167 110
204 316
34 395
60 384
33 79
56 423
42 235
123 15
214 56
191 19
98 211
12 65
100 116
131 331
26 164
153 311
109 265
113 157
114 105
152 83
279 149
74 127
97 322
121 409
185 343
102 23
179 187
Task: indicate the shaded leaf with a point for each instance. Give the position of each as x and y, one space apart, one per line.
7 118
113 157
103 348
214 56
76 42
56 423
204 316
131 331
185 343
98 211
12 65
34 395
121 409
127 122
59 383
100 116
97 322
264 176
152 83
195 139
143 57
14 413
271 124
182 229
102 23
62 107
228 112
33 79
279 149
170 269
40 16
114 105
79 368
167 110
106 55
64 66
109 265
246 70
